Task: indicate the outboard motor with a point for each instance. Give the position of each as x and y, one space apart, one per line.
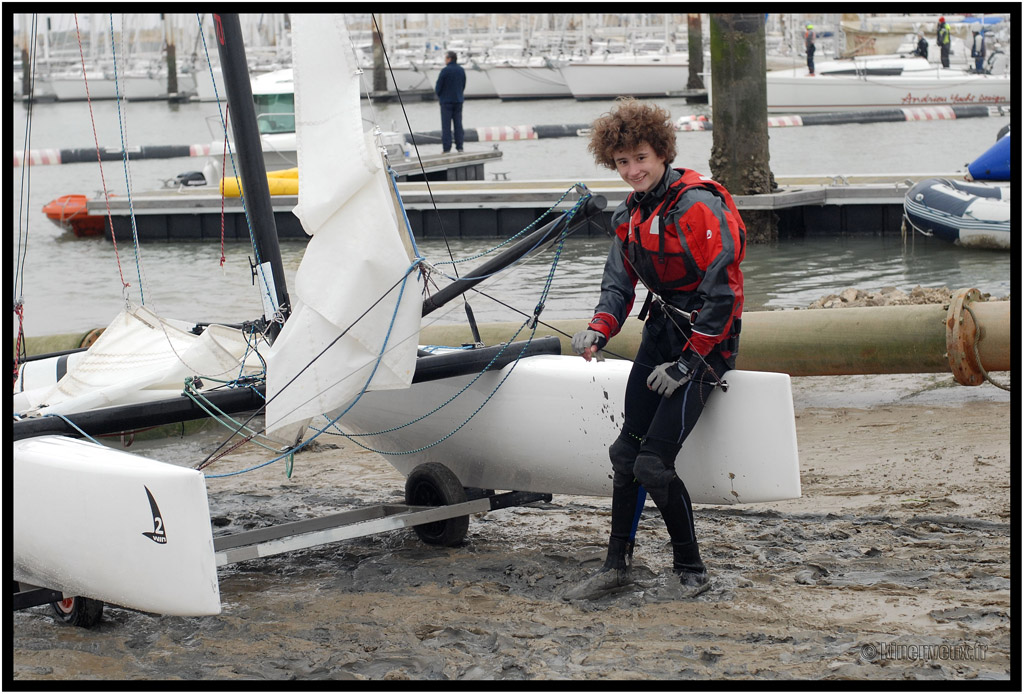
190 179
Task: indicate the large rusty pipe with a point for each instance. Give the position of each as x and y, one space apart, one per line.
994 344
820 342
928 338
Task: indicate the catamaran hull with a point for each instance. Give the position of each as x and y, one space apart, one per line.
548 428
109 525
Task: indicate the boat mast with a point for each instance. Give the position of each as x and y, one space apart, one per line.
253 169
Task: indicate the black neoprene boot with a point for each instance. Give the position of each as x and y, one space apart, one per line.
690 570
613 576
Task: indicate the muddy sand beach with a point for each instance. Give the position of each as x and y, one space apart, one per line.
895 564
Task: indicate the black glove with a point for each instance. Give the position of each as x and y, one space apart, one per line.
668 376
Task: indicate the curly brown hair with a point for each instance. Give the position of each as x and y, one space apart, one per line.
627 126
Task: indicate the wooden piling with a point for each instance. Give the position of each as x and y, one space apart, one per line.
380 83
171 55
739 153
695 43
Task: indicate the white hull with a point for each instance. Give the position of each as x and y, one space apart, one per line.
920 84
639 76
209 87
534 80
549 426
406 78
108 525
132 88
478 84
73 87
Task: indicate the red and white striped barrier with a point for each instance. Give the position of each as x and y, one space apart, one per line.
692 123
785 121
38 157
929 113
506 132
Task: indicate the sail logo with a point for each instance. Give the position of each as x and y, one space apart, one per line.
159 534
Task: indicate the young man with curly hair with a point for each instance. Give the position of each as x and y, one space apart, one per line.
680 235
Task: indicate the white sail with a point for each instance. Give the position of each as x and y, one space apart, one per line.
357 252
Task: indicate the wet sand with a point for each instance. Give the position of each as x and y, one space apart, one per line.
894 564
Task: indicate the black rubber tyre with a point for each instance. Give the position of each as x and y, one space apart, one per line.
79 611
432 484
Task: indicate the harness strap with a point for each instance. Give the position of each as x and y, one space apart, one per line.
647 305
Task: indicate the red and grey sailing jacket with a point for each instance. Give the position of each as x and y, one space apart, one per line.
685 239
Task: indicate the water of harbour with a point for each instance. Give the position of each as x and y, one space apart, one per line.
71 284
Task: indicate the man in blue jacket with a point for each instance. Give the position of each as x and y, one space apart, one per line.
451 84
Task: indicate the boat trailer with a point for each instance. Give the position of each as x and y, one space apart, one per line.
445 524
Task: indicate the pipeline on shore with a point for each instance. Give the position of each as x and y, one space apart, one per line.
966 336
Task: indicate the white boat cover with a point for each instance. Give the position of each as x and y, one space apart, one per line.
356 255
140 357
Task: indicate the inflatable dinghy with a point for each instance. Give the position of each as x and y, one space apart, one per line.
973 215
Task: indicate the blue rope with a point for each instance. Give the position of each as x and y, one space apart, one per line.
447 402
332 423
231 156
405 215
124 163
291 452
568 214
535 321
525 229
74 426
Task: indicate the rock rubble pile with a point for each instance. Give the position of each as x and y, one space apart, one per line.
890 296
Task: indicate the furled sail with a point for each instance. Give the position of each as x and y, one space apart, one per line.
358 253
140 357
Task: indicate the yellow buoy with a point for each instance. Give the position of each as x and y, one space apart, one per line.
282 182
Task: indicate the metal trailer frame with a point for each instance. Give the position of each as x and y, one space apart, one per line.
314 532
347 525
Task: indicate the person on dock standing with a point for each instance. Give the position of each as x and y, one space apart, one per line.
942 38
450 90
978 51
809 47
680 235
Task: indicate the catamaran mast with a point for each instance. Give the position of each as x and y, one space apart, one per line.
270 272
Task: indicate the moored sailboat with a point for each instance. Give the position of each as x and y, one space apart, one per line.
877 81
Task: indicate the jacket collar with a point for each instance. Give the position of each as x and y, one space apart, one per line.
648 200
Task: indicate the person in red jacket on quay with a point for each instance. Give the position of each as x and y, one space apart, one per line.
680 235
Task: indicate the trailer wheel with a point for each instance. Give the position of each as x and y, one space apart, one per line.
78 611
432 484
